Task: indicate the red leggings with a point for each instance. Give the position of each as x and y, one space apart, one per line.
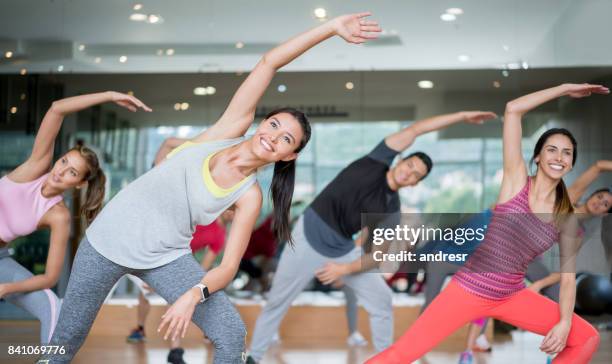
454 307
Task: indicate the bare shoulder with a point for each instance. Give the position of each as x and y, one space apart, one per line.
57 216
252 198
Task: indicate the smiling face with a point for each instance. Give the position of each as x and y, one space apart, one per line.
277 138
599 203
409 171
69 171
556 157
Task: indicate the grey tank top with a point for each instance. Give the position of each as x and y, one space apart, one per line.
150 222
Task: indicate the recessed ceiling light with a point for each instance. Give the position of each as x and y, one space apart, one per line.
463 58
211 90
281 88
426 84
184 106
97 60
138 17
14 110
123 59
200 91
154 19
349 85
137 6
448 17
169 52
454 11
320 13
60 68
505 73
23 71
8 54
22 97
496 84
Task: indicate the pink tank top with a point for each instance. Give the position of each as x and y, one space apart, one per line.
22 206
515 237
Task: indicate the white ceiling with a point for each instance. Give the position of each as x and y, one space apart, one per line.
44 34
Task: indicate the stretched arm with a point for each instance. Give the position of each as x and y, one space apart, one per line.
240 112
42 152
167 146
579 187
404 138
178 316
515 170
58 219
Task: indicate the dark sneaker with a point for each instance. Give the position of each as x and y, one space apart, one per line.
137 336
175 356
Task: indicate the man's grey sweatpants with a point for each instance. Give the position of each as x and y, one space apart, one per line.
93 276
296 269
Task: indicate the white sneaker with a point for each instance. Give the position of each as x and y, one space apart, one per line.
482 344
356 339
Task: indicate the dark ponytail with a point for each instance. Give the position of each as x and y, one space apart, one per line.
563 203
283 180
96 181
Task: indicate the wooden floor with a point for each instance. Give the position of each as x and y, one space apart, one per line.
519 347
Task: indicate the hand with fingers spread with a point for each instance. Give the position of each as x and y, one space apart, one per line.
478 117
354 28
127 101
556 339
178 316
584 89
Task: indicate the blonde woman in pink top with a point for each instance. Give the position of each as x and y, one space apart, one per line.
526 222
31 199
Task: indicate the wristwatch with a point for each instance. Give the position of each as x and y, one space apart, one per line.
203 291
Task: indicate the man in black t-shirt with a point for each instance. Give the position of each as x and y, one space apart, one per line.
323 236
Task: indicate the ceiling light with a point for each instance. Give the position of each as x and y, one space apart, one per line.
200 91
23 71
281 88
177 106
8 54
123 59
22 97
211 90
137 6
320 13
349 85
14 110
505 73
426 84
464 58
81 47
239 45
154 19
169 52
525 65
138 17
60 68
454 11
496 84
448 17
184 106
97 60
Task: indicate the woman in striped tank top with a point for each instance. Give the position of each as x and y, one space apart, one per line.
491 282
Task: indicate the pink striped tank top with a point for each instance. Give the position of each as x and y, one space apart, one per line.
22 206
515 237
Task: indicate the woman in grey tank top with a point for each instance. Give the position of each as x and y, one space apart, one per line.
145 229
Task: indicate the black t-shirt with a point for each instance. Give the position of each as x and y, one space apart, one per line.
335 214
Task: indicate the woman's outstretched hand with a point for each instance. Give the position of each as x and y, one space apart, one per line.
129 102
584 89
478 117
355 28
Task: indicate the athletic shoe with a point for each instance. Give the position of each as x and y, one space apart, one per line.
466 357
549 359
356 339
175 356
250 360
482 344
137 336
